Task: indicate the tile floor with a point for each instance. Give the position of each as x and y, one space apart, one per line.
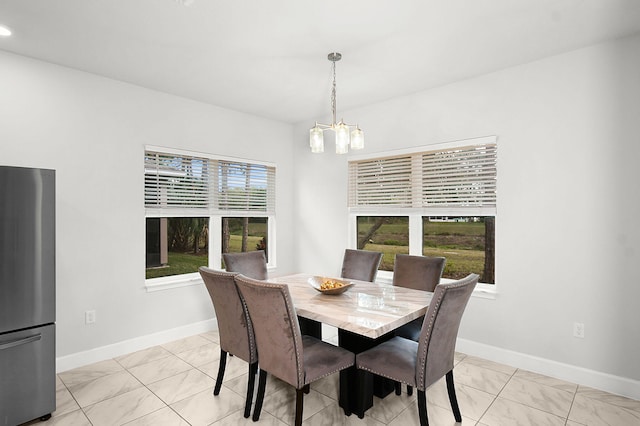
172 385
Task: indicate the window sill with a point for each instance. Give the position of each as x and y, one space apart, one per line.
179 281
168 283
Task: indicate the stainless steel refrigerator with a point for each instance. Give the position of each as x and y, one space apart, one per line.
27 294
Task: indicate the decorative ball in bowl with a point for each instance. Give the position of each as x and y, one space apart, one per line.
329 285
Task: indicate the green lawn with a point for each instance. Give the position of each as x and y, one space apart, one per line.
179 263
186 263
460 243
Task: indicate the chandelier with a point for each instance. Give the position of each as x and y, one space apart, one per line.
344 135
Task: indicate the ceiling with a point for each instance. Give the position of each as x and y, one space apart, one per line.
269 57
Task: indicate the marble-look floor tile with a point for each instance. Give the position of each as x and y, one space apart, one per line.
546 380
182 374
237 418
72 418
334 415
159 369
182 385
89 372
436 415
239 385
201 355
124 407
484 363
203 408
458 357
185 344
538 396
59 383
212 336
473 403
484 379
105 387
388 408
609 398
328 386
162 417
235 367
592 412
65 402
509 413
142 357
282 404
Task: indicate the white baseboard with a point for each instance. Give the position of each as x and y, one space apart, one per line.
570 373
102 353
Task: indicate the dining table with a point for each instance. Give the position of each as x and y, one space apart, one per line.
366 314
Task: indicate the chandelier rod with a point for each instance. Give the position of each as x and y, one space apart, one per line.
334 57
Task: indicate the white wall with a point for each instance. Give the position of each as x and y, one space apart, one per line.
92 131
567 227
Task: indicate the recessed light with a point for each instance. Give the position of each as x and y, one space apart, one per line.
4 31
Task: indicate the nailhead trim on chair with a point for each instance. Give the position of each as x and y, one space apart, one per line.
429 329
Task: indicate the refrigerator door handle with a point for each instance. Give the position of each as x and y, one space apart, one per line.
19 342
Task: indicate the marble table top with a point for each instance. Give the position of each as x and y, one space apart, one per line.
368 309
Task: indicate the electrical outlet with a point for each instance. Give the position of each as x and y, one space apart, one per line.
89 317
578 330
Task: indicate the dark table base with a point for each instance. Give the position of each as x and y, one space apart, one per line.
356 395
362 392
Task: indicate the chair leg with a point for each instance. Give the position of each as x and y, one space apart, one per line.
299 405
422 408
262 383
221 367
253 369
409 390
398 387
452 397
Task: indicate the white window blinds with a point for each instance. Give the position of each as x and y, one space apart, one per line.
245 186
181 182
458 178
381 182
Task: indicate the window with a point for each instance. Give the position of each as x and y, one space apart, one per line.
465 241
241 234
199 206
446 196
386 234
176 245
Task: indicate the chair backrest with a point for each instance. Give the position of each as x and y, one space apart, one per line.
252 264
278 335
360 264
437 342
235 328
418 272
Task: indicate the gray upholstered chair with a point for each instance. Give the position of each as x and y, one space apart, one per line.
419 273
360 264
235 328
422 363
284 352
251 264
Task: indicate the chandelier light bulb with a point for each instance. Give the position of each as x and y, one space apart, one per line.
357 138
316 139
342 138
